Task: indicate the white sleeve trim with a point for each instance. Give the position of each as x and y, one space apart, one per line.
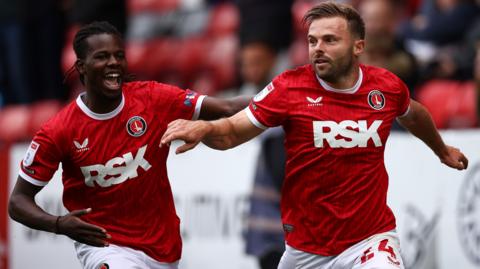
30 179
254 120
406 112
198 107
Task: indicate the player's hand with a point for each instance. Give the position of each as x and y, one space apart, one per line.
454 158
72 226
191 132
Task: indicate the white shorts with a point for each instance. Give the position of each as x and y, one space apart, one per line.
117 257
378 251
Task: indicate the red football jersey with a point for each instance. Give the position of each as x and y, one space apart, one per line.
113 163
335 189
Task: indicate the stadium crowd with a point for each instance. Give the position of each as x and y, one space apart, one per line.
228 47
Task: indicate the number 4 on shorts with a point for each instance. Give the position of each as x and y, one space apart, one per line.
368 254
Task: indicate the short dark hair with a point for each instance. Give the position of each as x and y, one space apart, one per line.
332 9
95 28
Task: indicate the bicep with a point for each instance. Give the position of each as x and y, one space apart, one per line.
412 115
214 108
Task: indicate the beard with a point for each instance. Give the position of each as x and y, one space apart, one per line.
337 70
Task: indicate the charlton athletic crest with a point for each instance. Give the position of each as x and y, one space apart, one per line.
136 126
376 99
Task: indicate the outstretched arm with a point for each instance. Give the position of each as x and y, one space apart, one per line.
419 122
220 134
214 108
22 208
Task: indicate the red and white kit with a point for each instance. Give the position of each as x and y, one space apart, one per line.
335 190
113 164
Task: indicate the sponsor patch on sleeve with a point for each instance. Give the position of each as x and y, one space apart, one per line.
189 97
30 155
262 94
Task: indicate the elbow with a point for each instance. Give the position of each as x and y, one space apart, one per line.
406 123
13 207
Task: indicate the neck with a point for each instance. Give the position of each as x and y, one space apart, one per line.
345 81
101 104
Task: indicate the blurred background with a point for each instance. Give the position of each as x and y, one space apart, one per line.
226 48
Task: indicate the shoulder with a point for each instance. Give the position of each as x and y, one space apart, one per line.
382 77
302 76
138 86
149 87
57 126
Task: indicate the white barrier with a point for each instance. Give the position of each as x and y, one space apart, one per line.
437 209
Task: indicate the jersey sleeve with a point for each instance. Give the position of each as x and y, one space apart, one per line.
41 159
269 107
404 99
176 102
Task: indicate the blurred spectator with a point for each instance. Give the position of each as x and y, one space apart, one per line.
439 23
258 63
14 87
456 62
265 34
267 20
454 104
382 49
265 238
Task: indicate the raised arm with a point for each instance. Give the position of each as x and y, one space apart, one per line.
220 134
419 122
214 108
22 208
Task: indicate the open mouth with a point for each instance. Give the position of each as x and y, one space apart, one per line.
321 61
113 81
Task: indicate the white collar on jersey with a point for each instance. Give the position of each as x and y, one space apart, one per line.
98 116
352 90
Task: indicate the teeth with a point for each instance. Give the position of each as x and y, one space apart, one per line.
113 75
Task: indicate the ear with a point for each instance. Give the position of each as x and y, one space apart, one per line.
358 47
80 66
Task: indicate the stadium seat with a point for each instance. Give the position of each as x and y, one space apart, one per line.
451 103
21 122
139 6
221 59
15 123
224 20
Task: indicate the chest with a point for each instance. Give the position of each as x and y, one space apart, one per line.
339 120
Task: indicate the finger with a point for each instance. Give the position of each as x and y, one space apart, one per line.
91 227
464 161
175 122
80 224
186 147
96 234
173 136
93 241
166 139
80 212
